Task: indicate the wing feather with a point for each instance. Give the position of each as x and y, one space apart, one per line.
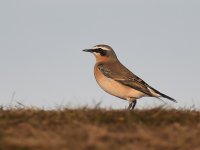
125 77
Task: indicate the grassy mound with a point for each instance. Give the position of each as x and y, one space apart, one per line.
90 129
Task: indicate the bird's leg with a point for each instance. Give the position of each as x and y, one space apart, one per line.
132 105
129 106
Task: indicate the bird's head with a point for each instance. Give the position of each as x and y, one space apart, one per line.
102 52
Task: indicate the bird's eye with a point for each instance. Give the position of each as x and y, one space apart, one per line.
100 49
103 52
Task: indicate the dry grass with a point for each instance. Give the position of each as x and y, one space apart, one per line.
91 129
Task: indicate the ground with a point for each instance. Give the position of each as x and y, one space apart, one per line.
98 129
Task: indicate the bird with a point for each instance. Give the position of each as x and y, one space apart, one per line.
114 78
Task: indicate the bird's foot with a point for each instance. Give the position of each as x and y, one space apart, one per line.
132 105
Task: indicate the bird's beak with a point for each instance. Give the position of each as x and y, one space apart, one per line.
88 50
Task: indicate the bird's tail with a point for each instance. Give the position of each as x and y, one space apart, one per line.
159 94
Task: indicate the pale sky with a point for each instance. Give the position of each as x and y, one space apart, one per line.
41 43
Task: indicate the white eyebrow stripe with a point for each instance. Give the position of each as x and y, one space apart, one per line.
104 48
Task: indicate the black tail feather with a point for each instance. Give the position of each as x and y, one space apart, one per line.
163 95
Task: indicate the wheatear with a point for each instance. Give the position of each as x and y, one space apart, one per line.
117 80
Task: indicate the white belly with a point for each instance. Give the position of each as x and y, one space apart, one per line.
117 89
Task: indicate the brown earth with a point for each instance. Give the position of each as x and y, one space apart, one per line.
97 129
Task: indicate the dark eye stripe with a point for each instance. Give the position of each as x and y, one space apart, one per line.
101 51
